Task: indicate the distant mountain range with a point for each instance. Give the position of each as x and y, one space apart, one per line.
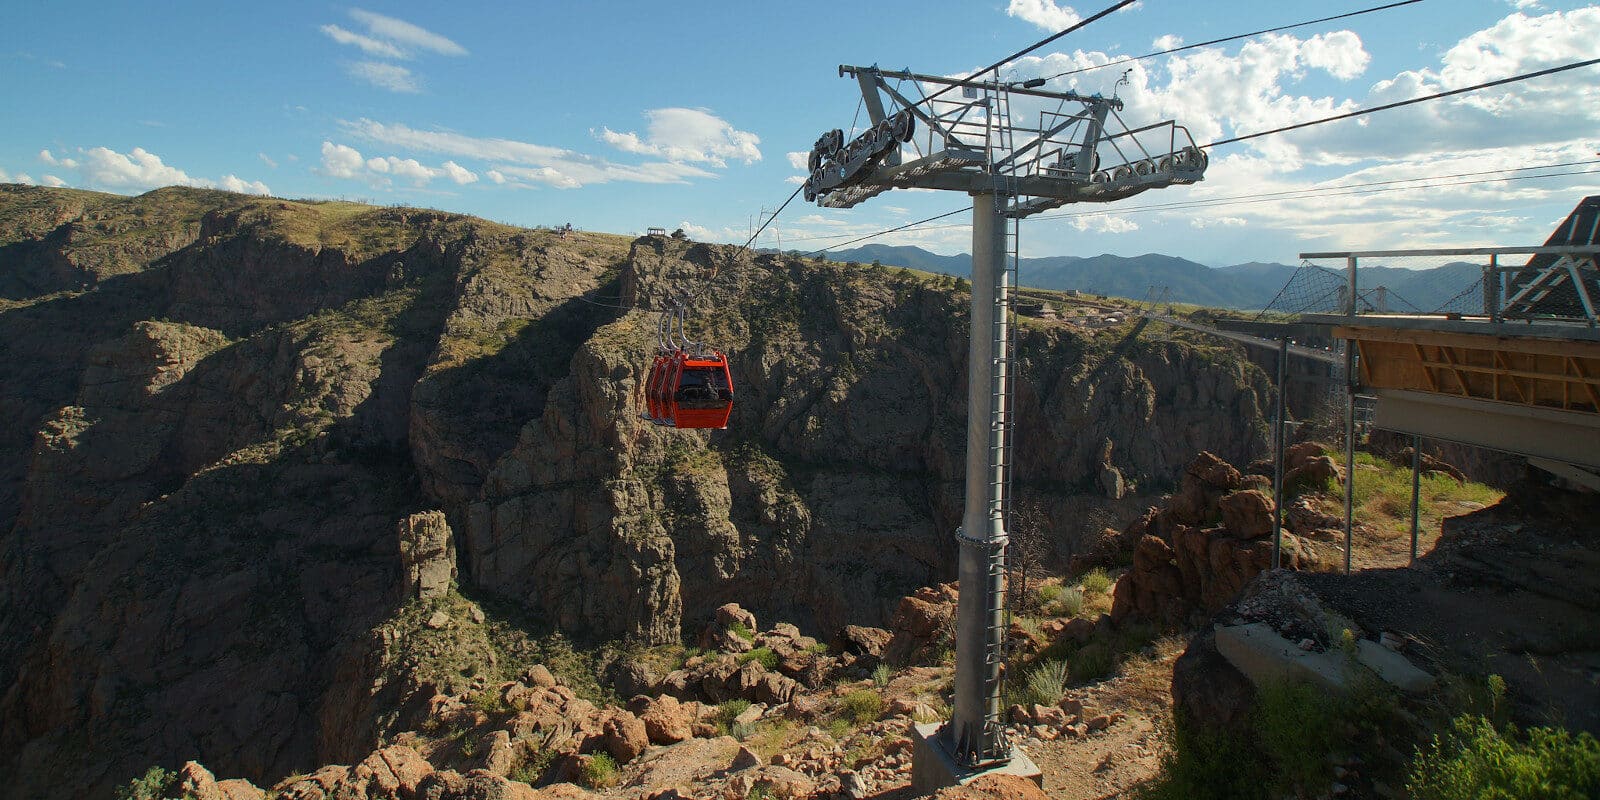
1242 286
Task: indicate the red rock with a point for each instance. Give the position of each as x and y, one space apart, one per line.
666 721
391 773
1247 514
994 787
624 737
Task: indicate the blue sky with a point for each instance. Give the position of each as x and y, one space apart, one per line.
621 116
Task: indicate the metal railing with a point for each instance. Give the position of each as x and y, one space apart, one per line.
1498 284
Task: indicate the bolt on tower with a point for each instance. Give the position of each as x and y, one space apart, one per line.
1063 148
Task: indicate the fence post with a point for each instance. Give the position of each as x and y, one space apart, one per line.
1491 288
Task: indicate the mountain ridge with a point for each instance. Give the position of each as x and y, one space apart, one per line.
1248 286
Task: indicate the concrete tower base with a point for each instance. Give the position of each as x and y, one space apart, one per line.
933 767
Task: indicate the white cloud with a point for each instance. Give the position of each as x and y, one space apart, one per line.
266 159
393 77
1104 223
21 177
341 161
47 157
495 175
1340 54
344 161
405 35
138 168
687 135
233 183
461 175
1170 41
1043 13
368 45
799 160
1203 222
525 161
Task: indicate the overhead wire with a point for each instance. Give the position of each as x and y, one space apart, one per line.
1413 101
1233 38
1237 200
1079 25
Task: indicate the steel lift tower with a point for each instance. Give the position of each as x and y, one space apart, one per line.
1058 148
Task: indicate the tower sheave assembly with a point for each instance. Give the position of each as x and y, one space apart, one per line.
1060 148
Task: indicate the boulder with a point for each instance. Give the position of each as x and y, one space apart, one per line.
484 785
732 614
391 773
197 782
666 721
442 785
624 736
1247 514
862 641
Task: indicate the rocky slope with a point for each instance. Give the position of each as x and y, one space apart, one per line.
222 407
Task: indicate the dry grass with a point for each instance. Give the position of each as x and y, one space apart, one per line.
1145 681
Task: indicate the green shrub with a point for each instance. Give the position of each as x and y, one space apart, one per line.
1043 684
861 706
532 767
742 631
599 772
149 786
1047 593
730 710
1202 764
1475 760
1096 582
764 655
1068 604
1092 662
881 676
741 731
1294 726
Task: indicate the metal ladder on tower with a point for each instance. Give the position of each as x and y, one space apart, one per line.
998 145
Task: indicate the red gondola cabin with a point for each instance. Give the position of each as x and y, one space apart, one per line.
690 391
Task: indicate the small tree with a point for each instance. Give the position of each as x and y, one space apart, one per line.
679 234
1029 549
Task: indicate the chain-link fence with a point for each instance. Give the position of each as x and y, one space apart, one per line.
1524 284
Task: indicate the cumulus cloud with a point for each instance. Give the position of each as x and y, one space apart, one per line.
344 161
520 163
687 135
798 159
1103 223
455 172
137 169
341 161
1044 13
393 77
233 183
47 157
495 175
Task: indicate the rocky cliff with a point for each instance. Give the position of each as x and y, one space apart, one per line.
219 409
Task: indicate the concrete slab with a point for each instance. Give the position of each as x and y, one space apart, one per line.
933 768
1265 657
1393 668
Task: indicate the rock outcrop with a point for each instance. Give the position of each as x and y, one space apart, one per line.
223 409
1193 556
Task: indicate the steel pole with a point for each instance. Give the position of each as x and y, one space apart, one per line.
977 615
1349 448
1416 491
1277 455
